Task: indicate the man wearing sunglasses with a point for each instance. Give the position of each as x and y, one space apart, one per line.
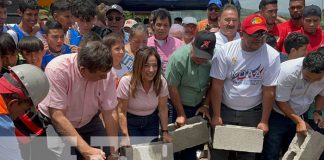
213 9
115 20
245 73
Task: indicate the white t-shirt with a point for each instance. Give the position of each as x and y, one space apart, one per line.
221 39
294 89
245 73
120 72
14 35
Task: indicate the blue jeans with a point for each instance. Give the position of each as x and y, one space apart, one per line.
143 126
189 153
281 132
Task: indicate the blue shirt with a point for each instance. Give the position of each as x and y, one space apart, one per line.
49 56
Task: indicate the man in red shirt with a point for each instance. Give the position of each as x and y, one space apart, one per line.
296 9
268 9
311 27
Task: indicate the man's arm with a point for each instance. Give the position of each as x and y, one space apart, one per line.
268 97
111 122
216 99
289 112
65 128
176 100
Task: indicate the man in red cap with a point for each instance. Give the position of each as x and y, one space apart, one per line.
25 86
245 73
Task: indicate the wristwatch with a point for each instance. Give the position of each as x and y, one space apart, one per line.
318 111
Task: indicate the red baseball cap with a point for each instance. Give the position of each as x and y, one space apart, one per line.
253 23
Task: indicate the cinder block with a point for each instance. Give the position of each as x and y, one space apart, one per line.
238 138
149 151
308 147
194 133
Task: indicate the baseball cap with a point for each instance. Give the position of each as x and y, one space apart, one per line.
115 7
204 44
43 14
129 23
253 23
312 10
189 20
218 3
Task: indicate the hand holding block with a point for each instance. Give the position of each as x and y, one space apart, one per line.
238 138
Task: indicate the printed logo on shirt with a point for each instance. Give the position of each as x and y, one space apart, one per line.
248 76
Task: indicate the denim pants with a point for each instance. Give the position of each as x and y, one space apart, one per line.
281 132
189 153
248 118
142 126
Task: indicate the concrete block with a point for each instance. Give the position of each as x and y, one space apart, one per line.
308 147
149 151
238 138
194 133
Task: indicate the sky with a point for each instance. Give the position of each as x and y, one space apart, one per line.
282 4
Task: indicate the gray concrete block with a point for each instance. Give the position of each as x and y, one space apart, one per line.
238 138
308 147
149 151
194 133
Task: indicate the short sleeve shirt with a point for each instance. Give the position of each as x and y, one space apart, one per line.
79 98
294 89
191 79
244 73
166 49
143 103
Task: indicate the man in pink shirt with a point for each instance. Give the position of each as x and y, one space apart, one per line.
164 43
81 86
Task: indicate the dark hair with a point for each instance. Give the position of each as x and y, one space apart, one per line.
95 56
314 62
229 6
297 0
89 37
59 5
271 40
161 14
111 39
24 5
7 44
178 19
83 9
5 3
146 21
295 40
52 24
263 3
141 58
30 44
138 27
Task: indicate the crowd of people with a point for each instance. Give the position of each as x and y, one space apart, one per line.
86 71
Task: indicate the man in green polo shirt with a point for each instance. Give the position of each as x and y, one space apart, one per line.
188 79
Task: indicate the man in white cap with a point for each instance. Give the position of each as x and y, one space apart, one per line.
115 20
190 29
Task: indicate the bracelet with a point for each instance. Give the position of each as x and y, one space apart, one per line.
318 112
164 130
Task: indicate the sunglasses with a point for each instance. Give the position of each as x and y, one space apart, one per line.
110 18
213 9
259 34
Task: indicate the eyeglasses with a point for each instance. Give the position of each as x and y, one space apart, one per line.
258 34
111 18
213 9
